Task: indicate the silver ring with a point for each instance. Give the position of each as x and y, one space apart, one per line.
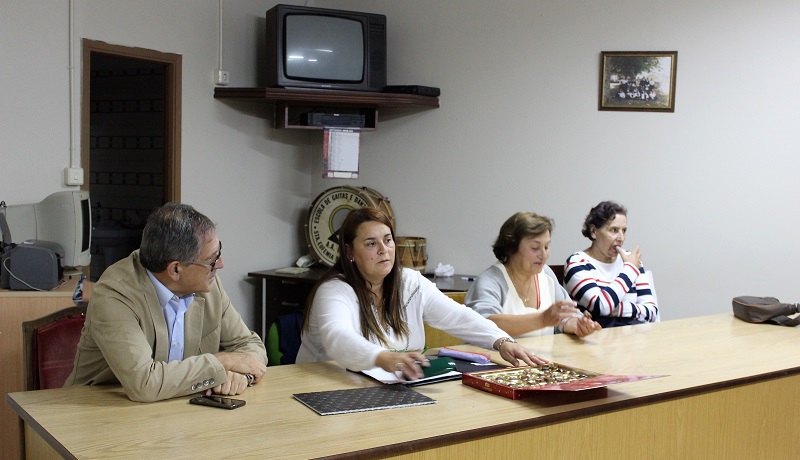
400 366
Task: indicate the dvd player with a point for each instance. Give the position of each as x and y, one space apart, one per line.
413 89
350 120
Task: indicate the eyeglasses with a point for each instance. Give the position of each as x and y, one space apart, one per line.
213 264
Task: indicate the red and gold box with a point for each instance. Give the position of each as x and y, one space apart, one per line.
520 382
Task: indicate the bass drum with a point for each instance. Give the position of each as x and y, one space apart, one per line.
412 252
327 212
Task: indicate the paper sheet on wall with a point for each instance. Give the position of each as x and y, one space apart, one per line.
340 153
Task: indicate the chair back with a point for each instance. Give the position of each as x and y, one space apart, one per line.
559 271
283 339
49 347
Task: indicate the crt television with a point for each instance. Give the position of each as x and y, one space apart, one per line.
325 49
62 217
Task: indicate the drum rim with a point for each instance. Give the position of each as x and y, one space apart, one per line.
370 196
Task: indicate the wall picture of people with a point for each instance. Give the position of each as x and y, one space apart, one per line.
638 80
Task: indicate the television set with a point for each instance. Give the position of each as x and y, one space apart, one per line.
325 49
63 218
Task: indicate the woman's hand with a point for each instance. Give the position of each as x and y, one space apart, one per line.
513 352
558 312
404 365
634 257
581 326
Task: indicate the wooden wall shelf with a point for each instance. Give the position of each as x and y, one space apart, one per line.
291 102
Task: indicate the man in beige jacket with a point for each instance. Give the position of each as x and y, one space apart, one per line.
159 321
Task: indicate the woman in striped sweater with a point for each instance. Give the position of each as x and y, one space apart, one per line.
606 280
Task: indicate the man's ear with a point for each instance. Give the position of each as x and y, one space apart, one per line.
174 270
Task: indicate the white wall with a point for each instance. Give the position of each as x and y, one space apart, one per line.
251 180
710 188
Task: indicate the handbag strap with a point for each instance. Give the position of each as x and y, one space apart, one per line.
786 321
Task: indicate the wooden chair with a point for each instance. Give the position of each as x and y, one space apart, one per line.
559 271
435 338
49 346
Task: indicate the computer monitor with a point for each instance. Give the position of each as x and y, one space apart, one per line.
63 218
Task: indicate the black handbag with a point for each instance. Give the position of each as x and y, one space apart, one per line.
765 310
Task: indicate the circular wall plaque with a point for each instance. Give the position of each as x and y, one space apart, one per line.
327 212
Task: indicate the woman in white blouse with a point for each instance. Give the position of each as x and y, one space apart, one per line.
368 311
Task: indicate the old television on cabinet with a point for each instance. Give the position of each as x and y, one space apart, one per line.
63 218
325 48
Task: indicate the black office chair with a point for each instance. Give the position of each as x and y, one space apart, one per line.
49 346
283 339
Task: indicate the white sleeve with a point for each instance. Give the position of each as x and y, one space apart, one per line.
456 319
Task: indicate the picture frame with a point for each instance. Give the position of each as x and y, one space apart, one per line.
639 81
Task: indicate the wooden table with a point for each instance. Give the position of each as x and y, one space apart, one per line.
731 393
283 293
15 308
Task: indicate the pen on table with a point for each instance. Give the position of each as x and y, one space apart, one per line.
467 278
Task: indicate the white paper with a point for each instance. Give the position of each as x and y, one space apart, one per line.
340 151
390 377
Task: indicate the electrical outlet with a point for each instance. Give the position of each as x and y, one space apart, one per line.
223 77
73 176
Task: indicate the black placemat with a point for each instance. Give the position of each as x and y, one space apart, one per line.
362 399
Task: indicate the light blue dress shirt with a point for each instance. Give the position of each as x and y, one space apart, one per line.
174 309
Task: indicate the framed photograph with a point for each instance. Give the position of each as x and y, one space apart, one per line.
641 81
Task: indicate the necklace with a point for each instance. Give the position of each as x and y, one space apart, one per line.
524 294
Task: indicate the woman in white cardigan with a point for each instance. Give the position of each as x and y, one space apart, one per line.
520 292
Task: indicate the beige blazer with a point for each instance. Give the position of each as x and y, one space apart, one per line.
125 337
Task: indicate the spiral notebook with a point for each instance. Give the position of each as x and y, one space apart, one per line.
362 399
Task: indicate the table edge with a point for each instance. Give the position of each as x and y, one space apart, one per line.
534 422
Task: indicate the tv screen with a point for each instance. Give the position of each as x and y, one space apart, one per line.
325 49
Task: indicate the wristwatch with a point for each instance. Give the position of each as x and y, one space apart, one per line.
502 341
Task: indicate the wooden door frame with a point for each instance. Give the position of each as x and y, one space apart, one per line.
172 109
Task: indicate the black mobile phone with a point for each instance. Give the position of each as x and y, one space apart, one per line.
217 401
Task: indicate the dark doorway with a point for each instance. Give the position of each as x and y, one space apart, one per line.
130 141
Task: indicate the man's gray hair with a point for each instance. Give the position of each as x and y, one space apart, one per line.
174 231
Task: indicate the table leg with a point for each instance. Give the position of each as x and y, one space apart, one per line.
264 310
